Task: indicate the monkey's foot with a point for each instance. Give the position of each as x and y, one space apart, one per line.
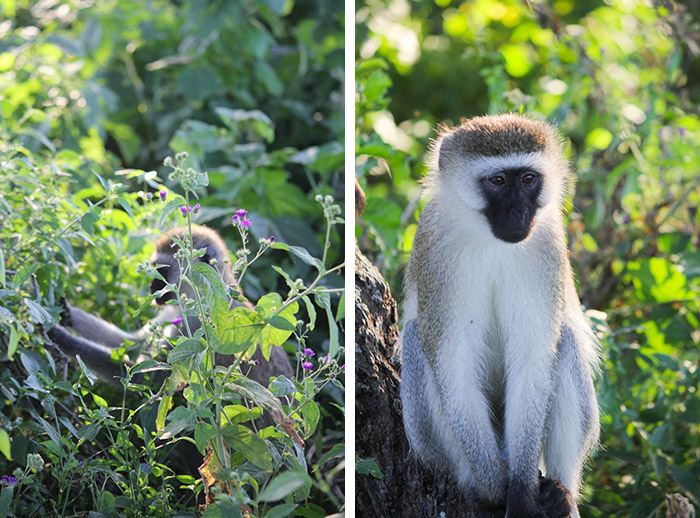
555 499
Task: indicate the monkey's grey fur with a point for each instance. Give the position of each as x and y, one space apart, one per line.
96 339
498 357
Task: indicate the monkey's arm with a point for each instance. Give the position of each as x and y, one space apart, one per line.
97 357
419 397
574 421
97 330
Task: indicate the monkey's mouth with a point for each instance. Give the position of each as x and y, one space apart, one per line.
512 233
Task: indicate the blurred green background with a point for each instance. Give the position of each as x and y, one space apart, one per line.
622 81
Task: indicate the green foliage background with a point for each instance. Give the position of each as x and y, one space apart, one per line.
93 96
622 81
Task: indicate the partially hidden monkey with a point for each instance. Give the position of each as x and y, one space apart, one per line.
498 358
96 339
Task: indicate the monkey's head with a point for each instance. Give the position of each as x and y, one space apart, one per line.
164 259
507 168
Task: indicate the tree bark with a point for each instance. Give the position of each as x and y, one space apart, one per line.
408 489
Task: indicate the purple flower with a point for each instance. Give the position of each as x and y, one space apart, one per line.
309 352
81 463
196 208
307 366
272 239
176 321
682 131
235 219
163 194
327 358
184 210
245 223
9 480
343 367
241 213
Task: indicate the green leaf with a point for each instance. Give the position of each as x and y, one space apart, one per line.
336 452
305 256
280 326
311 414
5 445
179 420
236 333
50 431
127 208
210 282
368 467
269 78
244 120
88 432
203 433
280 511
375 86
255 392
324 301
6 500
172 205
245 442
100 402
340 314
282 386
166 403
14 341
89 219
187 349
282 485
311 310
23 274
268 304
37 313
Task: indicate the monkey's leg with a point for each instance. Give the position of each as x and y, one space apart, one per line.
97 330
530 346
97 357
468 432
574 417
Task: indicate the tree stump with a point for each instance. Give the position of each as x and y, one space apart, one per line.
408 489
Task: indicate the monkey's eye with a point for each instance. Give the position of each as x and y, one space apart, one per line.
497 179
528 178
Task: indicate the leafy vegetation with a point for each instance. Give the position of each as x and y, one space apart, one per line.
115 118
621 80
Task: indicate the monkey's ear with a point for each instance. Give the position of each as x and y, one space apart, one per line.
445 150
206 258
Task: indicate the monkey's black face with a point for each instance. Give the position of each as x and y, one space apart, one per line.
157 285
511 197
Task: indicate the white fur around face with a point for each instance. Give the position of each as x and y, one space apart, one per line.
461 177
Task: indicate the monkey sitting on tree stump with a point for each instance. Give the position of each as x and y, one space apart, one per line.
497 355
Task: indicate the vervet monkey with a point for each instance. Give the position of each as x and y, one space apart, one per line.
97 338
497 356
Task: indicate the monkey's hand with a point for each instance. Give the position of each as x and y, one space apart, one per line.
555 498
66 319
